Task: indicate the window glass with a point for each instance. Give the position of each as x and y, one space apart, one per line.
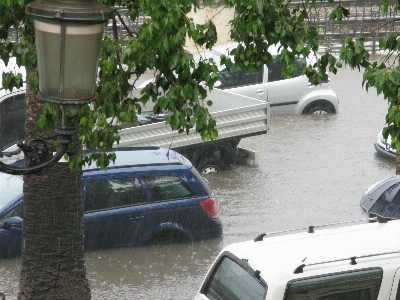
12 120
231 281
165 188
398 291
275 72
210 55
351 295
237 78
204 181
357 285
113 192
301 62
10 188
16 212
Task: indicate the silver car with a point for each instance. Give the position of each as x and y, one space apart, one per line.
286 96
384 148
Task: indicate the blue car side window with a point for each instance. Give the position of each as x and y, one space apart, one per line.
165 188
16 212
114 192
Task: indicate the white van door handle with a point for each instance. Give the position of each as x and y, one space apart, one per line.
260 92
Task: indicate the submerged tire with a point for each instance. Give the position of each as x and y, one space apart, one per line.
319 107
211 165
168 237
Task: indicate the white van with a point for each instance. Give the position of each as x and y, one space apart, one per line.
356 262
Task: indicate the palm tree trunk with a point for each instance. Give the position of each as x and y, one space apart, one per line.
53 265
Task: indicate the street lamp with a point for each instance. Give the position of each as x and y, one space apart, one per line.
68 35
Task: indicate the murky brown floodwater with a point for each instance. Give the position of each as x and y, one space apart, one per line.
312 170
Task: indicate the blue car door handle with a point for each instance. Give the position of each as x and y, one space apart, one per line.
136 218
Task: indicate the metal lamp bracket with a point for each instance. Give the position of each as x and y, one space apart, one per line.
36 150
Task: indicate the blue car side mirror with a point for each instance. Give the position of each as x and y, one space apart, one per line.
13 222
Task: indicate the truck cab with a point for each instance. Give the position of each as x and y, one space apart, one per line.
354 262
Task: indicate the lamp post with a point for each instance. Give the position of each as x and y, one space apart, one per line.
68 35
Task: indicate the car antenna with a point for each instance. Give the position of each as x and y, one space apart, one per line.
170 144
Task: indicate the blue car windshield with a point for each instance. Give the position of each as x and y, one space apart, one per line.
10 188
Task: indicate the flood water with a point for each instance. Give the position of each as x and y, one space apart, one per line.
312 170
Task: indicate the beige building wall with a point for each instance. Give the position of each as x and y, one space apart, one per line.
220 15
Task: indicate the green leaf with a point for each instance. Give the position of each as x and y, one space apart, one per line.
214 134
82 121
300 47
332 15
166 43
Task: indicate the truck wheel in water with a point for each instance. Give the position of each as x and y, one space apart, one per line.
211 165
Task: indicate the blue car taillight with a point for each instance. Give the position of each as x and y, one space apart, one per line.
210 206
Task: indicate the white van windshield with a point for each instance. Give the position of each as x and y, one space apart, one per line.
232 281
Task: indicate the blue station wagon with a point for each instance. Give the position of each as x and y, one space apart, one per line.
149 195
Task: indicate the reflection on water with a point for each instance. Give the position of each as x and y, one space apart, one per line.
150 272
312 170
9 277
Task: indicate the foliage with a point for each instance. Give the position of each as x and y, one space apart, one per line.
12 15
181 84
383 75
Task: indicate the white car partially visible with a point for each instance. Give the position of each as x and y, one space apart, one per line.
12 113
384 148
12 159
286 96
345 261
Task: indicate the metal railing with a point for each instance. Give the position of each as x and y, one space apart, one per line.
366 20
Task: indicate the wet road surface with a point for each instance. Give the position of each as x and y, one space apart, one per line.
312 170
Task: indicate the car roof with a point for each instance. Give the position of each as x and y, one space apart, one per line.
4 94
225 49
144 156
136 156
325 251
131 157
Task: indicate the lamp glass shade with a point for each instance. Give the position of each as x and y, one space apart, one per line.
67 59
